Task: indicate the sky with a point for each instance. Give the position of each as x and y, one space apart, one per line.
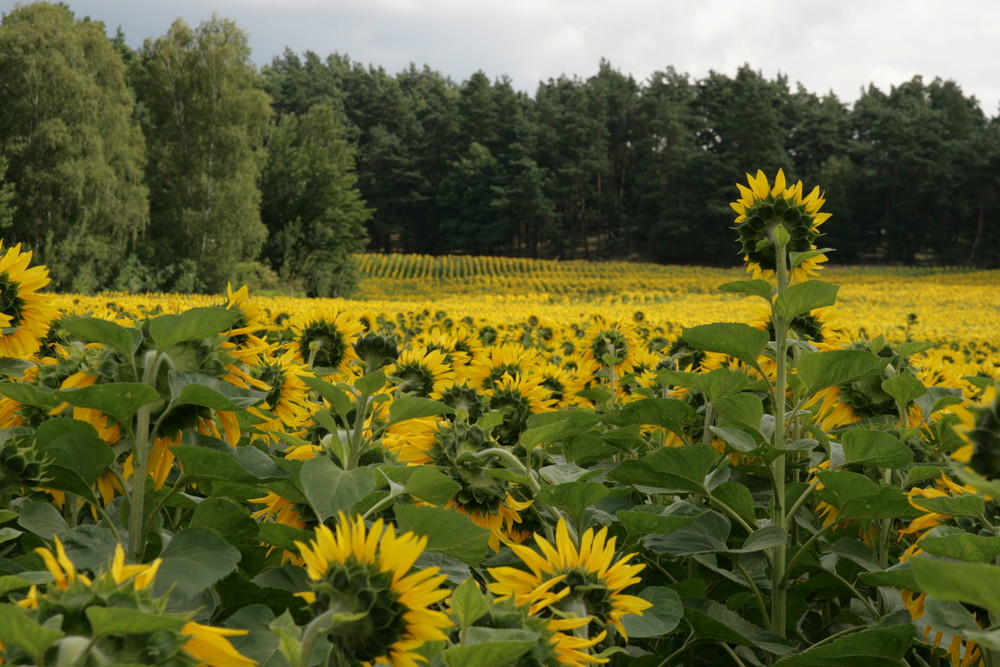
838 46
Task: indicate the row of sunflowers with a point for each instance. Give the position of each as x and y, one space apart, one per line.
773 474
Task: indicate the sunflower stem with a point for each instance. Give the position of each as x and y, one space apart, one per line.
778 517
319 625
140 461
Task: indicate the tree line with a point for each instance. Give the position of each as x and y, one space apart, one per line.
180 166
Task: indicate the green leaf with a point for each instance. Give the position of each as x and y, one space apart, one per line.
193 324
880 647
82 452
424 482
14 368
758 287
42 519
122 621
804 297
567 472
415 407
765 538
964 505
905 387
574 497
448 532
796 258
715 384
710 620
641 523
665 614
10 583
194 559
210 464
119 400
371 382
337 397
107 333
738 439
827 369
705 535
874 448
742 410
29 394
468 603
228 518
666 412
682 468
284 537
736 339
189 388
962 546
546 434
17 629
288 577
490 647
738 498
330 490
900 576
857 497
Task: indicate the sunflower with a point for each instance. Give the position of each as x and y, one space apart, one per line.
761 209
979 427
327 341
24 313
517 397
565 580
499 360
421 371
364 574
287 407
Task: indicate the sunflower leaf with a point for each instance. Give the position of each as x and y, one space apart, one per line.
330 489
109 334
195 559
194 324
415 407
760 288
120 400
736 339
877 647
122 621
447 531
826 369
17 629
804 297
665 614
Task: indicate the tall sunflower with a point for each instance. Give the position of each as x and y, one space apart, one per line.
565 580
24 313
761 209
365 574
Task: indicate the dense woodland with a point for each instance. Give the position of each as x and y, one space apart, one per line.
180 166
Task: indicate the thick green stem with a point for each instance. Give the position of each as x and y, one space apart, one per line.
318 626
140 461
778 517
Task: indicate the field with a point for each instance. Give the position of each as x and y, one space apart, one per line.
494 461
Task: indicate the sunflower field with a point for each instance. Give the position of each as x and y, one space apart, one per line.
489 462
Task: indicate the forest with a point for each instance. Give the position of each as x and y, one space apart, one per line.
179 166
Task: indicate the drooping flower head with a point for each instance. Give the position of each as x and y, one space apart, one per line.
365 574
761 209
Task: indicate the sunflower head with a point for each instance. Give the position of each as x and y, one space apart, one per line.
979 427
326 342
767 214
456 445
566 580
20 464
376 349
610 347
25 314
460 396
362 576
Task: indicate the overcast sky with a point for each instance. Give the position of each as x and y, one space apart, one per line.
828 45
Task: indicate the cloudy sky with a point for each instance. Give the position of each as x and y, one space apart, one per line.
827 45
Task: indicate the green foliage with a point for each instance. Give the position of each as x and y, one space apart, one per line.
204 117
72 189
311 206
